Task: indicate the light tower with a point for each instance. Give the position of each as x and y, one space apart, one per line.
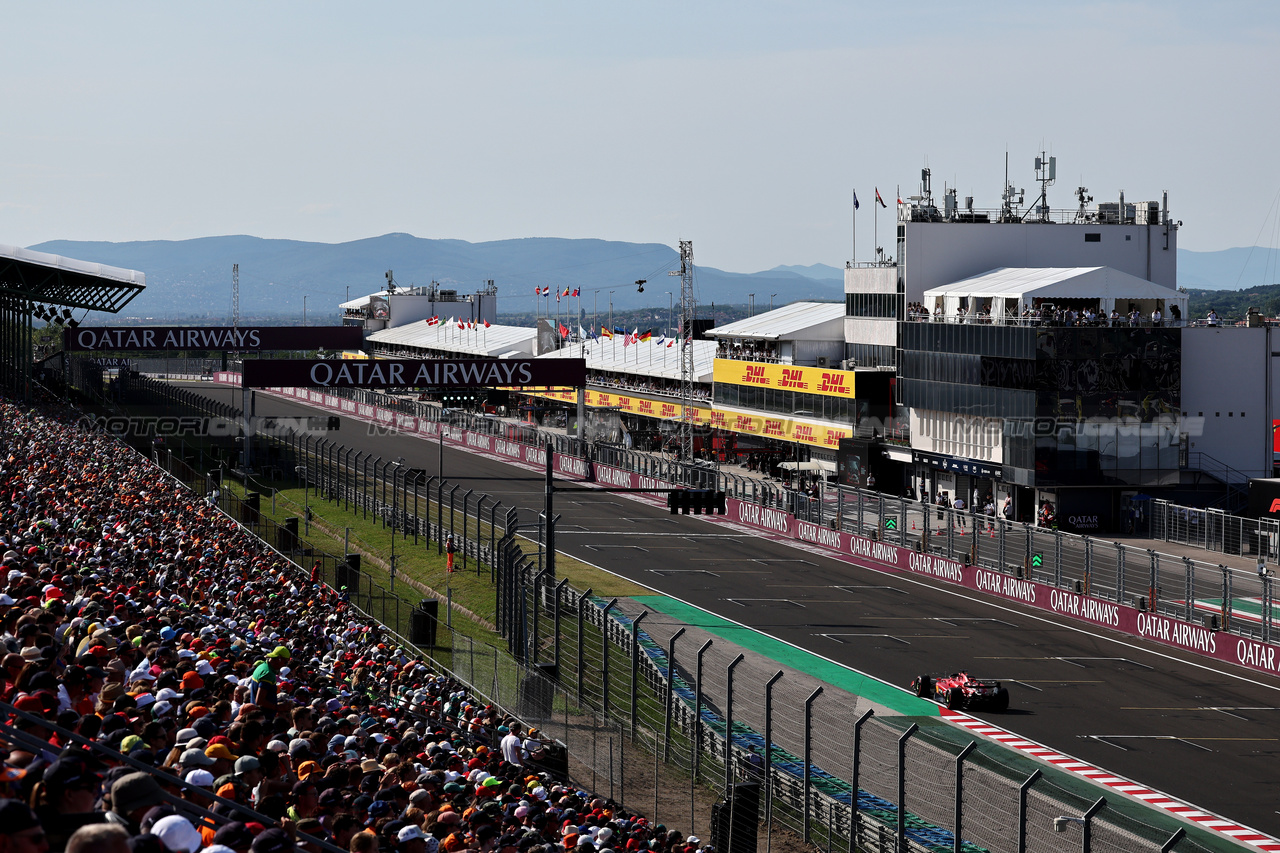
688 376
235 299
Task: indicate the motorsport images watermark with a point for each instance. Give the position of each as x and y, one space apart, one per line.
195 426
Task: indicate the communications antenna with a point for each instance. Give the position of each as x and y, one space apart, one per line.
688 376
235 300
1046 175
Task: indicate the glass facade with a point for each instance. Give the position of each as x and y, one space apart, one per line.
837 409
881 305
1082 405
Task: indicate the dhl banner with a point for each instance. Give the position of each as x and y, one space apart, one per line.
766 426
785 377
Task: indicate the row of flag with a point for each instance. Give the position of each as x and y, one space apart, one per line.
545 291
462 324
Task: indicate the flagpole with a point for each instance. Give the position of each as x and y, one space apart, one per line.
875 228
855 228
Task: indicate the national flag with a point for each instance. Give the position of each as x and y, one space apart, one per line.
619 330
564 332
670 342
486 324
461 325
575 292
450 321
646 334
626 340
606 332
582 334
855 200
660 340
566 292
882 204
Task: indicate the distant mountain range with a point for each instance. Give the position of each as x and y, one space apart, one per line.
192 278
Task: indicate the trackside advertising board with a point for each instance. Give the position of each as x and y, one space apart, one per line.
870 553
179 338
414 373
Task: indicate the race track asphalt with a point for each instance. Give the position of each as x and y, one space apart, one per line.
1199 730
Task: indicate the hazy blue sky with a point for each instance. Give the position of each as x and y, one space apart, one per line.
740 125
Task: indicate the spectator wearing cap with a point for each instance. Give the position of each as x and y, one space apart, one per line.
131 796
511 745
305 799
411 839
20 829
223 758
274 840
65 797
98 838
178 834
262 684
235 835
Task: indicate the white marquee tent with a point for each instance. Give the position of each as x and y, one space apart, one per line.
1006 291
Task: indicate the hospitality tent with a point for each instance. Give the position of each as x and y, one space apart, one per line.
1005 292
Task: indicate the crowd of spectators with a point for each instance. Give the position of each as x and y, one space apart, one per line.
138 621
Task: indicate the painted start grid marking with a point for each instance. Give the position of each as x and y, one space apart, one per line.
1232 830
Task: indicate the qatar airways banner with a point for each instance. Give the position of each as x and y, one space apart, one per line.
177 338
407 373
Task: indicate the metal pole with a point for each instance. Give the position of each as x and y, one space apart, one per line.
537 581
466 499
556 659
853 778
728 724
582 604
671 693
1022 809
1168 846
697 715
808 759
604 654
1087 843
768 760
902 786
959 815
635 666
440 517
548 504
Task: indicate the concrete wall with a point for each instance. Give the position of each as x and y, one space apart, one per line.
1225 400
939 253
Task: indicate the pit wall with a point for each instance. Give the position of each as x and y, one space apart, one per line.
868 553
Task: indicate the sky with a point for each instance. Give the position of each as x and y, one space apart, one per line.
743 126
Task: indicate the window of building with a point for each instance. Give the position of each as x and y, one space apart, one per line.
1093 237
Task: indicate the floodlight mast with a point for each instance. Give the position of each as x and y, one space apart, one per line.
688 377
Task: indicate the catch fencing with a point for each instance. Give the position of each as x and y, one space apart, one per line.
650 721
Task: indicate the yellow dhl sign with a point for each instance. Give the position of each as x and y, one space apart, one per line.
781 428
785 377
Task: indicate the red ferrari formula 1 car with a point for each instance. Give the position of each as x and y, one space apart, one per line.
961 692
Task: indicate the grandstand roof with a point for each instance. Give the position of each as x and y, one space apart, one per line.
797 321
448 338
646 358
68 282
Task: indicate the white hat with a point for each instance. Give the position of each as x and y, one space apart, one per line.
409 833
177 834
200 778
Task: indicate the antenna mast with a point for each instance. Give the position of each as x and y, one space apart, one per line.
235 299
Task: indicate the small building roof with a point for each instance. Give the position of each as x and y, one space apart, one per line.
806 321
651 358
448 338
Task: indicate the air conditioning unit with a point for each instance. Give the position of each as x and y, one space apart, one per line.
849 364
824 361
